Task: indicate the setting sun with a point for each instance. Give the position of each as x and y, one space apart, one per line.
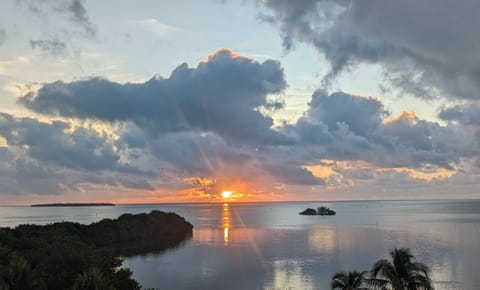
226 194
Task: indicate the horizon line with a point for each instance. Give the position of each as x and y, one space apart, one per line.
247 202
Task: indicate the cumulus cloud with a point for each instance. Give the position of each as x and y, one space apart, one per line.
61 157
361 115
423 54
346 127
204 122
204 128
49 142
223 95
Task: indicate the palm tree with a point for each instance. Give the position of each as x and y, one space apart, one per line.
401 272
349 281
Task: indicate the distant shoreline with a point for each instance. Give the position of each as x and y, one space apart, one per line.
71 204
253 202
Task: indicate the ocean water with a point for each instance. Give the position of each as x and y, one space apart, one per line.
271 246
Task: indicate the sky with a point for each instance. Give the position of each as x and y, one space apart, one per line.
273 100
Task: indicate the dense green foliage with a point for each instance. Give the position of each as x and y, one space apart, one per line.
70 255
400 272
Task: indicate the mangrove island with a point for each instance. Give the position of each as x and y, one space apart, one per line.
69 255
71 204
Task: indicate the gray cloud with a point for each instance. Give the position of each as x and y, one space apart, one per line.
53 46
203 121
208 155
79 15
222 95
196 153
359 114
53 158
207 122
292 174
466 114
74 10
20 174
422 53
345 127
81 149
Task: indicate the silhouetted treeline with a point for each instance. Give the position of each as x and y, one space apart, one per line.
70 255
71 204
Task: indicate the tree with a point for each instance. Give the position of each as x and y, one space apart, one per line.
401 272
19 275
92 279
349 281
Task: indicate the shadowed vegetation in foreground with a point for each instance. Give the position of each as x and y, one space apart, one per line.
70 255
400 272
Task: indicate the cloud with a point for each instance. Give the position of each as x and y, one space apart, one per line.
293 174
53 46
466 114
204 121
155 26
359 114
79 15
223 94
346 127
19 175
208 124
74 10
55 152
80 149
422 53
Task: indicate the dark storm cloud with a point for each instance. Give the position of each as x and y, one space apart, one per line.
222 95
428 48
74 10
53 46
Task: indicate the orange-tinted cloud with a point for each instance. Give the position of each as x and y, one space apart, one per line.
405 115
222 52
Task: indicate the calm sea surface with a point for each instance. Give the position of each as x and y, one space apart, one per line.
270 246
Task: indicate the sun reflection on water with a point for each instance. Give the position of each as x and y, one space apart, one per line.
323 239
226 223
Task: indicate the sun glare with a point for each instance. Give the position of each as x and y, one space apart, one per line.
226 194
